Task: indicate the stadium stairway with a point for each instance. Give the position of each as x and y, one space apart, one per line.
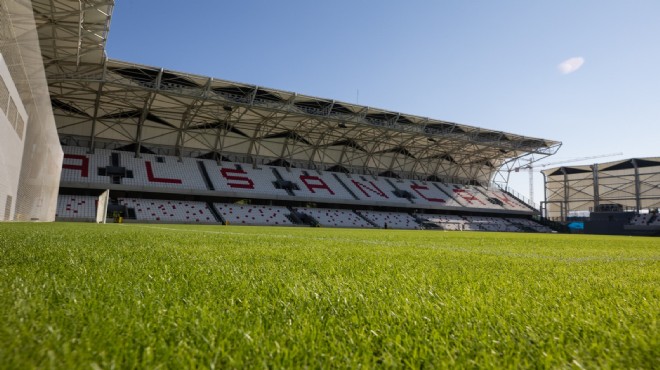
212 209
205 176
367 220
305 219
293 217
286 185
345 186
525 228
405 194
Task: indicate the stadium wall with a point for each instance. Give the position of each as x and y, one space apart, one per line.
12 128
40 167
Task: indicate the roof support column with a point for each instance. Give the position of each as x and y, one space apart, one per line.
285 148
564 211
92 135
544 204
638 195
218 134
97 103
188 117
596 186
145 111
317 144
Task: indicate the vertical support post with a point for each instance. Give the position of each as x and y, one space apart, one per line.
544 204
564 211
638 195
145 112
97 103
596 186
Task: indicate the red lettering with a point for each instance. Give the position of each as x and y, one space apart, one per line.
152 178
373 189
227 173
311 186
469 197
416 188
83 167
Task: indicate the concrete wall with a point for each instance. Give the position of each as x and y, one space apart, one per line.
38 182
12 132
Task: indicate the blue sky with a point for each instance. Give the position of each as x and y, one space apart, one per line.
493 64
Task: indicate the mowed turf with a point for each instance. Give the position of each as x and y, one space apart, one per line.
158 296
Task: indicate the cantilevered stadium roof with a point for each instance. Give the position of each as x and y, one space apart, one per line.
633 183
100 102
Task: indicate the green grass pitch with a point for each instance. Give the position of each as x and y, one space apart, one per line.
179 296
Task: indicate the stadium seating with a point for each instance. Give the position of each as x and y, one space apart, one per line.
471 197
243 178
507 201
158 210
162 171
655 220
314 184
335 217
82 207
641 219
169 211
428 194
393 220
148 171
154 173
78 166
445 222
238 214
524 223
491 224
372 189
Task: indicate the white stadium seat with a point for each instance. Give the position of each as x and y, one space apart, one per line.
240 214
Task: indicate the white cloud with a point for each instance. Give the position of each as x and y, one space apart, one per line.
570 65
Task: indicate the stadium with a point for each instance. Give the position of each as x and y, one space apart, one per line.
176 147
90 139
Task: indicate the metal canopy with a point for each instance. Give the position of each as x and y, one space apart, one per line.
101 102
633 183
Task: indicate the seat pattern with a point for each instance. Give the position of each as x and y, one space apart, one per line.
335 217
238 214
169 210
491 224
154 172
445 222
81 207
393 220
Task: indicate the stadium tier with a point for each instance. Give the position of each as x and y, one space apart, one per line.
491 223
119 170
76 207
392 220
334 217
239 214
169 211
529 225
83 208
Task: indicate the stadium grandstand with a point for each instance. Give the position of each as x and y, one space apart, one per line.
619 197
183 148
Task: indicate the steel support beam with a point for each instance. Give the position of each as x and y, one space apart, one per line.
145 112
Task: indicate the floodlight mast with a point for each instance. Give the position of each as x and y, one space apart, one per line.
530 167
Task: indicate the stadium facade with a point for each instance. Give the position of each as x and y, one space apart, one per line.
30 151
147 132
